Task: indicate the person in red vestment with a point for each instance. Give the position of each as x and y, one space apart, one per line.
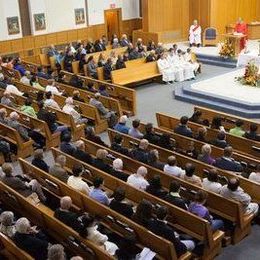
241 27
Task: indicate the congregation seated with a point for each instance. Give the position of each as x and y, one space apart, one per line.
17 63
238 130
121 125
97 193
34 82
124 41
99 46
255 176
137 180
42 73
202 134
160 227
75 180
101 60
100 161
120 64
108 68
172 168
226 162
182 128
56 251
103 91
120 205
220 140
216 123
7 99
38 160
174 196
252 133
190 176
117 145
205 155
91 136
232 190
50 102
154 161
58 170
117 170
76 96
211 182
53 87
198 208
30 239
151 57
166 142
81 154
150 134
134 131
151 46
25 79
155 187
92 67
141 152
7 223
27 108
67 146
11 88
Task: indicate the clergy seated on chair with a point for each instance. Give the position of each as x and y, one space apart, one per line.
226 162
233 191
195 34
165 69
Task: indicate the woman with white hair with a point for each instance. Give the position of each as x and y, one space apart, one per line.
117 170
56 252
69 108
138 180
205 155
30 239
7 226
121 125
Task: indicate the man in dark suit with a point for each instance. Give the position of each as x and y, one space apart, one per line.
80 153
99 46
99 161
226 162
150 135
252 133
117 145
220 141
182 128
174 196
66 145
159 227
108 69
141 153
117 170
39 162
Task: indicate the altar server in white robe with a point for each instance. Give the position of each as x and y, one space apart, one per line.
195 34
191 58
188 69
173 60
165 69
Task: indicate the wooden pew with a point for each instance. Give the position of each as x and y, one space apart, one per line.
183 143
135 63
43 217
240 144
24 148
52 139
110 103
133 75
126 96
228 120
11 251
228 209
122 224
178 217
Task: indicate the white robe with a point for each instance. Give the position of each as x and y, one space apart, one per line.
166 70
178 70
195 36
194 64
188 69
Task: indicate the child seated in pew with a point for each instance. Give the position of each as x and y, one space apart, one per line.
197 207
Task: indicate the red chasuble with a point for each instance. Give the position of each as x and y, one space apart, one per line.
242 28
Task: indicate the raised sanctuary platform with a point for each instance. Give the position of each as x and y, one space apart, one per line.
223 93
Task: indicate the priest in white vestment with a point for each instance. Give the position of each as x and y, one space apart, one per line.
191 58
188 69
195 34
173 60
165 69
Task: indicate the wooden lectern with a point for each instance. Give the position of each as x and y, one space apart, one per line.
235 41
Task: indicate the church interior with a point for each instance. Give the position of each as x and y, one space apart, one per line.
129 129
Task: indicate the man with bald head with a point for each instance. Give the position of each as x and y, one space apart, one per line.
226 162
195 34
233 191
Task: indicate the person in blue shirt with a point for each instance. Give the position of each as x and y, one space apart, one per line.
121 125
18 66
97 193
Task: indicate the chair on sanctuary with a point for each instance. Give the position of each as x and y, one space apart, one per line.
210 36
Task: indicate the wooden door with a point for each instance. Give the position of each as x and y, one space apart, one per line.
113 20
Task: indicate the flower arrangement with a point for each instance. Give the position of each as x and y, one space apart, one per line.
227 50
251 76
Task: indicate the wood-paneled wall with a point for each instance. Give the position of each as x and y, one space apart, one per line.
31 45
224 12
165 15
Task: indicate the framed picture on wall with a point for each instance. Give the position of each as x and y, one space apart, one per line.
13 25
79 15
39 22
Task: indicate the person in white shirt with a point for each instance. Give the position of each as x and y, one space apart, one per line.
138 180
190 176
69 108
172 168
75 180
195 34
188 70
165 69
255 176
178 70
53 87
50 102
12 89
26 78
211 182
